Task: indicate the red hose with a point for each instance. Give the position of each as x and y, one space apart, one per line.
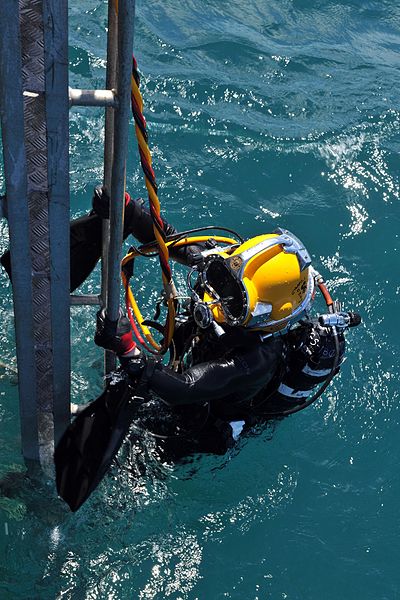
136 331
326 294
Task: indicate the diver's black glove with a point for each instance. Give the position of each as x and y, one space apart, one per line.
101 202
115 335
134 367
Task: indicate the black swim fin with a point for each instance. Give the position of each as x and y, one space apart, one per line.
88 446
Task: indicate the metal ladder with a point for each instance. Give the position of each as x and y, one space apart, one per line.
34 107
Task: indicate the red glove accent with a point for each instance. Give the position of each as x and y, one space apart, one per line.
127 199
127 344
114 335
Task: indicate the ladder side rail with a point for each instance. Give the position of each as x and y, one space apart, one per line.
55 18
111 84
126 14
32 27
15 170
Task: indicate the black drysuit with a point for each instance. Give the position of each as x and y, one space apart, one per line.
233 375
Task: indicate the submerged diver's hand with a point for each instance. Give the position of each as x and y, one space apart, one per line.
115 335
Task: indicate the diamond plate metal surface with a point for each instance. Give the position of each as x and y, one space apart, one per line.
32 45
34 123
36 142
35 131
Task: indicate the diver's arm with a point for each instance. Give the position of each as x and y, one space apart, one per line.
85 247
241 376
139 223
86 237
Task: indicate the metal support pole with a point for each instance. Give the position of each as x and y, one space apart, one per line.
55 19
36 147
111 83
15 171
34 99
126 13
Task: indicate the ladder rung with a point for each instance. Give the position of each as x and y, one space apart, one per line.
92 98
88 299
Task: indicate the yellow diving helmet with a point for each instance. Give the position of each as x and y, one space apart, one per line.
265 283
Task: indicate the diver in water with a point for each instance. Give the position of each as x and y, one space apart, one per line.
245 346
248 315
245 349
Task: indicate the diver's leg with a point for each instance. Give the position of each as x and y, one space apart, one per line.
85 249
86 234
85 239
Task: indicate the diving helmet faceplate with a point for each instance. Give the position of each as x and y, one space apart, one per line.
265 283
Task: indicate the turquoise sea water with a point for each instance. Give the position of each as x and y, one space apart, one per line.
278 112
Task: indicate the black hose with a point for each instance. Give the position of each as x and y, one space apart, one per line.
176 237
179 236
